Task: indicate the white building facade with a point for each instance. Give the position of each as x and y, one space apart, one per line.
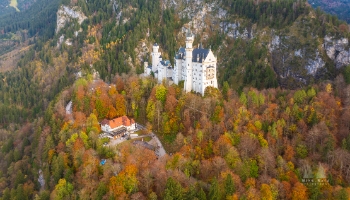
196 67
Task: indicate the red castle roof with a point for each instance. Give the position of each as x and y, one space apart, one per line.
114 123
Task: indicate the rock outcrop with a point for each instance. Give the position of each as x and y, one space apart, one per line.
205 17
66 14
337 50
315 64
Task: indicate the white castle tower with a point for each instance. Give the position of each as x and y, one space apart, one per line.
155 57
195 66
188 62
177 74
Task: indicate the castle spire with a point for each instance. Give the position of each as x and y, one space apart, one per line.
189 33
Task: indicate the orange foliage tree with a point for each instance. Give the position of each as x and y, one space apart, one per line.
120 105
299 192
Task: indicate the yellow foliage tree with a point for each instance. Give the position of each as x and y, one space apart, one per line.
116 187
329 88
265 192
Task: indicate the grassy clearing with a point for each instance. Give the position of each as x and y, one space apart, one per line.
168 143
9 59
14 4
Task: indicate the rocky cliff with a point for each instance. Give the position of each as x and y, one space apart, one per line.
66 14
338 50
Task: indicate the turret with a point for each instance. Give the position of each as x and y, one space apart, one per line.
188 61
155 48
189 39
155 57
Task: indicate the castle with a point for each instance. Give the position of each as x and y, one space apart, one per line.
196 67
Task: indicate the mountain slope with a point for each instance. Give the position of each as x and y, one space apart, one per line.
256 44
7 7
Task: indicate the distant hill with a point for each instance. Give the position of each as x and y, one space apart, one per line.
340 8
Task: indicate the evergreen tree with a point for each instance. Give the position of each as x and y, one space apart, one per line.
173 190
202 195
229 185
214 192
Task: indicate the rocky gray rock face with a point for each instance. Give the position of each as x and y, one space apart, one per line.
204 16
41 179
306 61
275 43
314 64
66 14
338 50
295 62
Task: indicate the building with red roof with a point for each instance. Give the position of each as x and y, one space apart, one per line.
118 123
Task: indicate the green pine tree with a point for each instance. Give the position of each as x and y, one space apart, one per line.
229 185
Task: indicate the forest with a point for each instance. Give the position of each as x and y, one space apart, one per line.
248 139
39 18
252 145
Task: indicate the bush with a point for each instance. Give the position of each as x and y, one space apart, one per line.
302 151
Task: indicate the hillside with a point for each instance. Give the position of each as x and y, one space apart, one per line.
38 19
278 121
253 48
7 7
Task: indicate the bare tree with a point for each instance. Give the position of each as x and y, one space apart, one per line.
248 146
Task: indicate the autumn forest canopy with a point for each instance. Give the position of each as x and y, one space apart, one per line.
256 144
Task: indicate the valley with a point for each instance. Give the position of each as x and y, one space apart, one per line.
340 8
